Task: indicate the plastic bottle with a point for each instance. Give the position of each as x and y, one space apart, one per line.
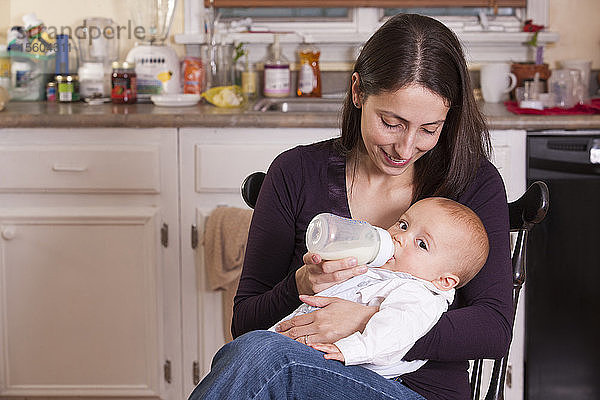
17 38
334 237
40 41
277 72
309 75
91 80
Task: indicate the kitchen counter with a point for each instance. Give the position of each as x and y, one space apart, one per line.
81 115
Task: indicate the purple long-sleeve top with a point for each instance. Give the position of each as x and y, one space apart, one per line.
308 180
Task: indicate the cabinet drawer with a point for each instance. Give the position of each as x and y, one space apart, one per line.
222 168
80 168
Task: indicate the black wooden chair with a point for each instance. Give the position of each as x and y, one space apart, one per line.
525 212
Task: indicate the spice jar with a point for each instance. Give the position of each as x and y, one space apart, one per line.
124 89
67 88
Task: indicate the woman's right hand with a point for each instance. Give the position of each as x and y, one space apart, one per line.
317 275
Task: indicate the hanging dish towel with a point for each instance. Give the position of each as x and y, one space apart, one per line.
225 237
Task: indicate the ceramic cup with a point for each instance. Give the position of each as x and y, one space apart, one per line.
496 81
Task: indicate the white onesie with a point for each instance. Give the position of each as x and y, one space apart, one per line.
408 308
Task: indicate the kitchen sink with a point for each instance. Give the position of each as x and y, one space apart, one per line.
299 105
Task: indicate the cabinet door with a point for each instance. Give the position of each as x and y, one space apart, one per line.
80 304
89 296
214 162
509 157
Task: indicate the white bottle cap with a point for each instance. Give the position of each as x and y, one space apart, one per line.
31 20
386 248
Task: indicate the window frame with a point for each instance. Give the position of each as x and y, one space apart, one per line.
369 3
341 35
536 10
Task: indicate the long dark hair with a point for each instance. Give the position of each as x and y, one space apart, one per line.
415 49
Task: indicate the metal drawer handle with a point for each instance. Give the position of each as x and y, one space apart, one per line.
595 152
68 168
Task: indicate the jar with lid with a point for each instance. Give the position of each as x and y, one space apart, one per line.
124 89
51 91
67 88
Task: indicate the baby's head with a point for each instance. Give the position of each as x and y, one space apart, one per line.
439 240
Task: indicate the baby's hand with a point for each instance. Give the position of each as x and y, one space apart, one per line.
332 352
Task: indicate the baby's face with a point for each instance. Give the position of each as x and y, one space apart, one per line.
426 242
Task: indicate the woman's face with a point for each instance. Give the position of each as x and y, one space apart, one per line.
399 127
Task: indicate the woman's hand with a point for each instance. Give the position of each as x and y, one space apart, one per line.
317 275
335 319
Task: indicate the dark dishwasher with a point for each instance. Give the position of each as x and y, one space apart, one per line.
562 355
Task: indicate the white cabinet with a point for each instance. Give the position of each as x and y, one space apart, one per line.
89 296
214 162
509 157
93 304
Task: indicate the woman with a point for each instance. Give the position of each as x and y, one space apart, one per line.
410 129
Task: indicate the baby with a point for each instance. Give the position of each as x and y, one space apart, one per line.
439 245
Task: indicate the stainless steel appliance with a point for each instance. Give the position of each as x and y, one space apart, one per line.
562 356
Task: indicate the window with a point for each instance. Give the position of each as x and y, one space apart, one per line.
452 11
342 29
269 13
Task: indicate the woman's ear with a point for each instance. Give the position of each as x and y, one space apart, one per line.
356 90
446 281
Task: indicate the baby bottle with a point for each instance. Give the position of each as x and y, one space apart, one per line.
334 237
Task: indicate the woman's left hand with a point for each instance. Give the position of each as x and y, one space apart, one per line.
335 319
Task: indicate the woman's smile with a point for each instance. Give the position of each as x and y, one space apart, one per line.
394 160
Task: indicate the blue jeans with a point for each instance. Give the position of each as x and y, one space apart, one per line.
268 365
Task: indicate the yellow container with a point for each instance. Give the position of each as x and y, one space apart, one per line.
4 68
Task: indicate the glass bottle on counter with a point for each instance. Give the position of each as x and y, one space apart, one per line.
124 85
309 74
276 72
249 79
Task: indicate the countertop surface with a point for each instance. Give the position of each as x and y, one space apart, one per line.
82 115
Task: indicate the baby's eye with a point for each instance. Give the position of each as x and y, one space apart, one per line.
403 225
422 244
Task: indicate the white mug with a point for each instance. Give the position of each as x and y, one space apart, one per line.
496 80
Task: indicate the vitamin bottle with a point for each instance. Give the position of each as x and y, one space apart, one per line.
309 75
334 237
276 72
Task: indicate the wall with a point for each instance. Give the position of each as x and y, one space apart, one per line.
71 13
4 19
577 23
574 20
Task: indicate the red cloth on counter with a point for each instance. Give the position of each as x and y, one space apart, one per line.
593 108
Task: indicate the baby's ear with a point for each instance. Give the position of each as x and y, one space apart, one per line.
446 281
